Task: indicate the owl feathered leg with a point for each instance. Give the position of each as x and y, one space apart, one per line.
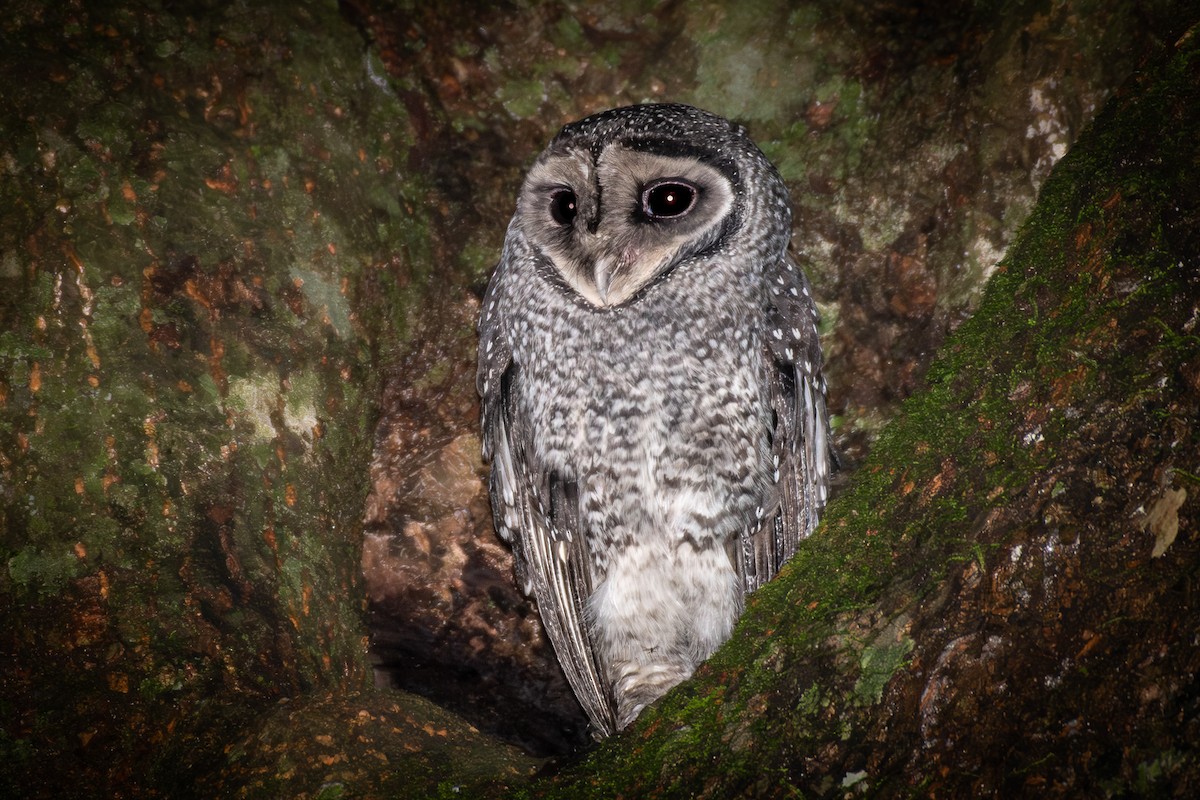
662 609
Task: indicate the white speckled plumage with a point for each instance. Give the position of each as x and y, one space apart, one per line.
653 405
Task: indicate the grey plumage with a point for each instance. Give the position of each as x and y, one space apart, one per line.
653 404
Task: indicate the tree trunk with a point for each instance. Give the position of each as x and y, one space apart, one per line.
229 230
202 237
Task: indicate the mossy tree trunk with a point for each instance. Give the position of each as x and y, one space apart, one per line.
202 239
219 222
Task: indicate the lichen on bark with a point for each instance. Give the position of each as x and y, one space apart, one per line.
203 234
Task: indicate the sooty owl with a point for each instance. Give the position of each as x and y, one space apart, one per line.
653 403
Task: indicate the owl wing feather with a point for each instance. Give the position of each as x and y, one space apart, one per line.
537 511
800 449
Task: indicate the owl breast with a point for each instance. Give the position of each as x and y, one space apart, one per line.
666 432
666 437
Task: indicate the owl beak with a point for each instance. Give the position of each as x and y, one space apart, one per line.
602 274
610 274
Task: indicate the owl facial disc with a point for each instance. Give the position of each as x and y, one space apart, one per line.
614 223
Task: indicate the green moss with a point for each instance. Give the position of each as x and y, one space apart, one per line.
522 98
41 572
877 664
567 33
1154 775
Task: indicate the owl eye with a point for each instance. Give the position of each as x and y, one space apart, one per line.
562 206
668 199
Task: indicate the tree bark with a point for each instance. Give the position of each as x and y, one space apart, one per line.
202 238
225 228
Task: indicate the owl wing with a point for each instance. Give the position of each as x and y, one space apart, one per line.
800 448
537 511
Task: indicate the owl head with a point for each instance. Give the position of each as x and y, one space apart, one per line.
619 199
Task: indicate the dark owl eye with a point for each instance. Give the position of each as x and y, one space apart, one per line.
668 199
562 206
